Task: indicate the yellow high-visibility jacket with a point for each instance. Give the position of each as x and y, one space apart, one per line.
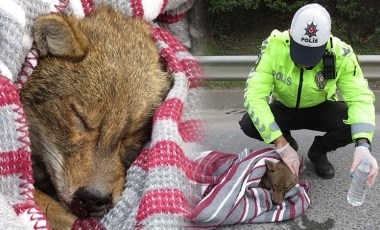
295 87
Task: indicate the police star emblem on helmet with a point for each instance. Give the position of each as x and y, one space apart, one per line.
311 30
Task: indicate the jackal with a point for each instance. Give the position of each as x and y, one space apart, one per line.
89 105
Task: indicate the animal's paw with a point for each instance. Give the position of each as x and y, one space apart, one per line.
59 218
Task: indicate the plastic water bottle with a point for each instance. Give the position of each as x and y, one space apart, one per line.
358 189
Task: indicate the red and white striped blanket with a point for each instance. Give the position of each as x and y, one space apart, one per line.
165 184
231 191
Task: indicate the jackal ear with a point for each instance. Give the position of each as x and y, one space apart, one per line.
60 36
270 165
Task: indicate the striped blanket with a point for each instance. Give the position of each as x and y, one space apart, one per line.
166 184
232 195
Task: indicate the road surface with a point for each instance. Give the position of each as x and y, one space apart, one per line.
329 208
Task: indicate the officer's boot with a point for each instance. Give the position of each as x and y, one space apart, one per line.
318 155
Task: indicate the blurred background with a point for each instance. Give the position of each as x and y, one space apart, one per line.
237 27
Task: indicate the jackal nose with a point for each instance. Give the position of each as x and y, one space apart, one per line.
93 200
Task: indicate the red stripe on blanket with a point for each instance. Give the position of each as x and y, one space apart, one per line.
164 4
174 64
191 131
87 6
257 153
169 109
164 201
9 93
10 164
164 153
168 153
244 199
161 34
137 7
207 166
292 207
302 198
170 19
268 201
256 205
88 224
193 72
142 160
216 190
278 212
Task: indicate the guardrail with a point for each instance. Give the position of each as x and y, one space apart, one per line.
238 67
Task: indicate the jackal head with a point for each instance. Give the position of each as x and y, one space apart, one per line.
89 104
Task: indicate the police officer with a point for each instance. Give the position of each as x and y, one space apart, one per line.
303 68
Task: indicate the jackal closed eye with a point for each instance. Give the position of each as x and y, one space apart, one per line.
81 118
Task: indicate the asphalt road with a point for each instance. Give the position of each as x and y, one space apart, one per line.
329 208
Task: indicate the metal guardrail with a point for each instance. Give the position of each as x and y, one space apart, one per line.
238 67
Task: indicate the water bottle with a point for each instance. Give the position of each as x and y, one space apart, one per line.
358 188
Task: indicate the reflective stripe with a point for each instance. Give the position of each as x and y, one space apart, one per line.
257 121
267 137
274 126
362 128
262 129
252 114
247 107
346 51
264 44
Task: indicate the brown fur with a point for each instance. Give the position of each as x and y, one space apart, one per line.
279 179
90 101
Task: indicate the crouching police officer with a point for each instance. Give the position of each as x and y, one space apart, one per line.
303 68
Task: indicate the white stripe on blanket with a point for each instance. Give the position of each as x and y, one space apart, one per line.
27 41
9 138
9 217
5 71
31 218
181 84
151 9
15 11
52 4
10 186
76 8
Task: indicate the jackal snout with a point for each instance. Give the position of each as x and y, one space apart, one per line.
90 201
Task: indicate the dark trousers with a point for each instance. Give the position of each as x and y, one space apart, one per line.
327 117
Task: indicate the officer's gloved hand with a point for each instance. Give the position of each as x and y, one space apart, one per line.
290 158
360 154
